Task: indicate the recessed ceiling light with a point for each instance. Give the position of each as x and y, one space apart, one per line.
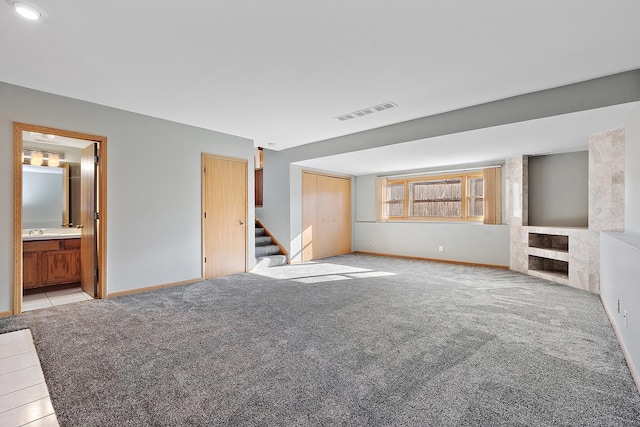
26 11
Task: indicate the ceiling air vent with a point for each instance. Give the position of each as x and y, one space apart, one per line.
367 111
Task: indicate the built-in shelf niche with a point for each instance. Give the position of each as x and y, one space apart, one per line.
550 266
549 241
548 254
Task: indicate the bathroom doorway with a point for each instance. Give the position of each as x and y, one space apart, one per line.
59 216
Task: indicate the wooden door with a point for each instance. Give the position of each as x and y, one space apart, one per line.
88 247
340 215
324 200
309 215
224 193
326 216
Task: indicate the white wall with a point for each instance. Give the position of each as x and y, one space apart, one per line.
619 272
632 175
154 186
620 257
275 213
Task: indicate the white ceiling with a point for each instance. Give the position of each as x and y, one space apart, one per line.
280 72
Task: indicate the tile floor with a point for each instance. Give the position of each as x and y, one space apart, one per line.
24 397
49 299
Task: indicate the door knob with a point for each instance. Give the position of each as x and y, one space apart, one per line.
241 222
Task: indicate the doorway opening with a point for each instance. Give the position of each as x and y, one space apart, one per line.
59 216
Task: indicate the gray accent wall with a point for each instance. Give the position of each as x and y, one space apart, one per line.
559 190
154 186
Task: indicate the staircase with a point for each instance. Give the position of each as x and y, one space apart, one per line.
268 252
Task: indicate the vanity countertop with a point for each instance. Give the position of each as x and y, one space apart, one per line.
52 234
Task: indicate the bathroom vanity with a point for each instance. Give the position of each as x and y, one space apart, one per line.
50 259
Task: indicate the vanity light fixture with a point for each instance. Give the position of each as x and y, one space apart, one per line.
53 160
26 11
36 158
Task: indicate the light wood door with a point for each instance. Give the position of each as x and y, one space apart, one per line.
88 247
309 215
340 215
326 216
325 206
224 216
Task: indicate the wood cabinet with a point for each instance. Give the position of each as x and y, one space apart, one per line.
50 262
326 216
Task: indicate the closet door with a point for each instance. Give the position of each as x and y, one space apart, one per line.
340 215
309 215
326 233
326 216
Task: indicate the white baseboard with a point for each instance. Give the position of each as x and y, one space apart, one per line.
627 356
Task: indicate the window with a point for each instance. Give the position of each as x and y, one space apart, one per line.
468 196
475 197
395 199
435 198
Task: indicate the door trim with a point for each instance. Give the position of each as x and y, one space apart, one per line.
101 234
245 162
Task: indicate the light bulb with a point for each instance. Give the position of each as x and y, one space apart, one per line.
53 160
36 158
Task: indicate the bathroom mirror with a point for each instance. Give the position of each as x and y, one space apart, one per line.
45 196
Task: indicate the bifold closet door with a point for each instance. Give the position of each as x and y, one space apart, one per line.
326 216
340 216
309 215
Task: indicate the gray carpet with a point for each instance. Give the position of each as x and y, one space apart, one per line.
355 340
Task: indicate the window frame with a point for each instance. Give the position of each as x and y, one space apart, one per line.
465 197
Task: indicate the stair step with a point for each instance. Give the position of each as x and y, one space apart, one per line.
267 250
259 231
270 261
263 240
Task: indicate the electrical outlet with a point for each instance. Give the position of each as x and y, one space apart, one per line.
449 250
370 243
441 248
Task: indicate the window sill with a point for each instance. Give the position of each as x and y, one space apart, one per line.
422 221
